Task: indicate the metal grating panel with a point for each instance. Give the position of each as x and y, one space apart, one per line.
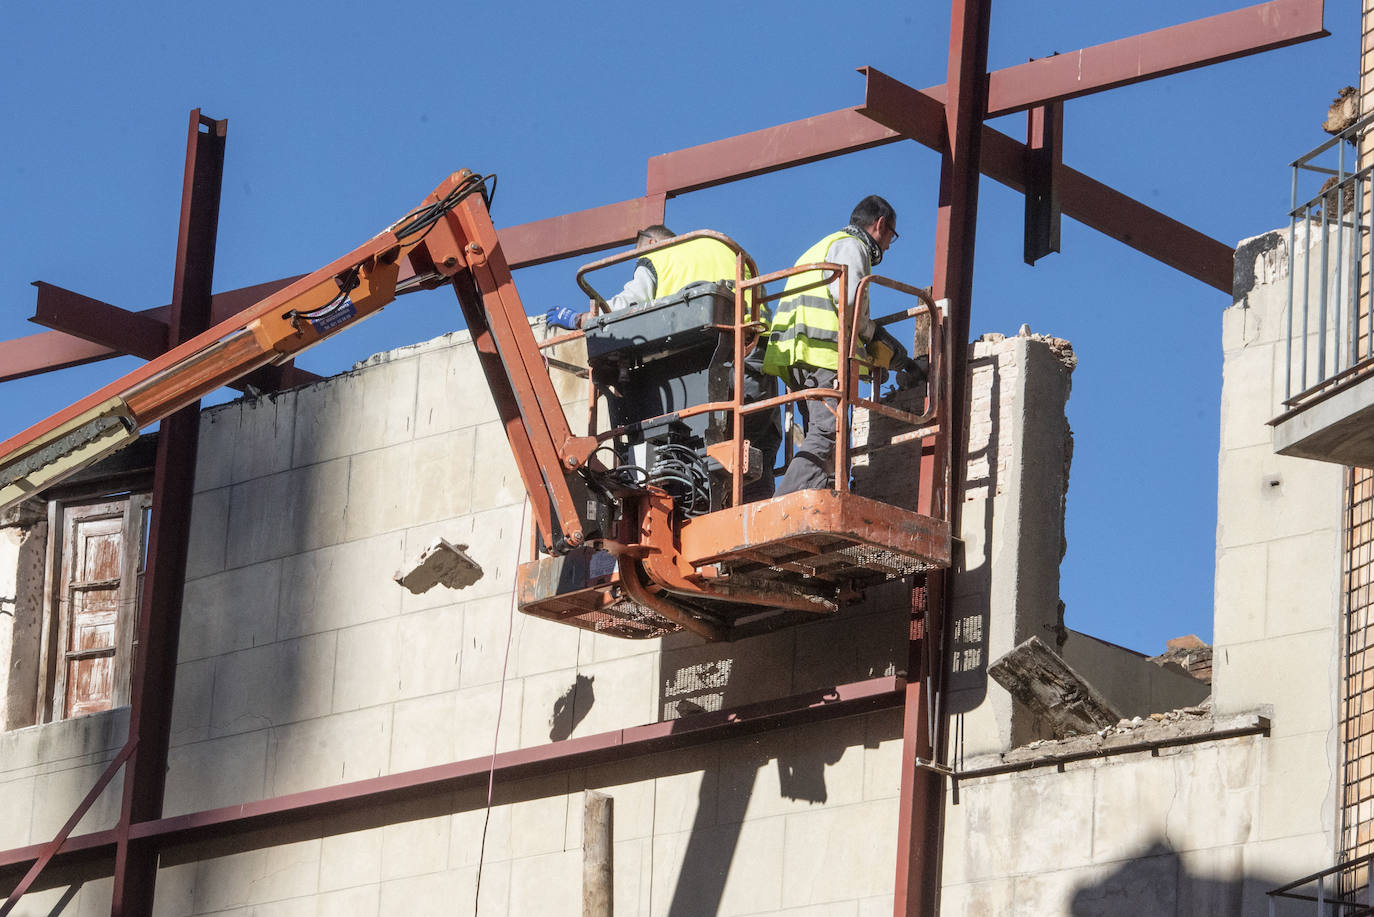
1357 696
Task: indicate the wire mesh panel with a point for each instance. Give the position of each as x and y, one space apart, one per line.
1357 701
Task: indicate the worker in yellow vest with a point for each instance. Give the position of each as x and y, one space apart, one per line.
804 335
659 273
662 272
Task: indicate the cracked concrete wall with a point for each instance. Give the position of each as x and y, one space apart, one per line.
1006 567
23 541
1278 578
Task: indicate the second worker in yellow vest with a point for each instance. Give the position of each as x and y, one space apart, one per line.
660 273
804 335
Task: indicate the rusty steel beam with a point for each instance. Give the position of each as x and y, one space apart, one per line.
918 116
769 150
79 337
1187 46
1145 229
920 807
311 810
580 233
1262 27
1117 215
159 620
137 333
1044 146
33 354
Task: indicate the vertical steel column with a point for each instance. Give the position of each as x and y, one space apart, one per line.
135 873
1045 144
921 813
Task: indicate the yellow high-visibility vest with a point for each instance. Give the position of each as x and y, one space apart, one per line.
699 259
806 326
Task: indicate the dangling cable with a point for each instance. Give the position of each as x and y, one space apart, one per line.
496 738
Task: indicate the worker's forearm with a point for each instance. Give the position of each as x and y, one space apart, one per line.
867 327
639 289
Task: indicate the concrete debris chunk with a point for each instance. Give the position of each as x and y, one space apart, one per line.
1187 655
1344 111
1039 678
441 562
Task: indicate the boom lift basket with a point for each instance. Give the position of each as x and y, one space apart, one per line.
666 371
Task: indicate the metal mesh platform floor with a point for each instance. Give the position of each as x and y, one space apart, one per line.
808 544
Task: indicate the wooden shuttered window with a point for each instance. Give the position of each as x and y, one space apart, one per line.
96 584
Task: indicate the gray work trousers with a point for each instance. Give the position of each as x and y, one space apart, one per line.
763 429
813 464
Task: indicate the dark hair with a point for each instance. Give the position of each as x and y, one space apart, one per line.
869 210
655 233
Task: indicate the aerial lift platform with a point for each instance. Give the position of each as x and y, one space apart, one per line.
641 528
712 563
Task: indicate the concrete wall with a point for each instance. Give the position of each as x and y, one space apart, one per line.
1204 829
1183 833
302 665
1278 580
23 555
47 770
1133 684
1006 585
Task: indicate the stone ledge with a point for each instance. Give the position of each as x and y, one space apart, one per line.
1185 728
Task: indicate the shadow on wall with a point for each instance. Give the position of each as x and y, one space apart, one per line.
967 684
801 773
709 680
571 708
859 642
65 900
1159 884
801 754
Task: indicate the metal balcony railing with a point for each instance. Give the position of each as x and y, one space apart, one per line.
1330 338
1341 891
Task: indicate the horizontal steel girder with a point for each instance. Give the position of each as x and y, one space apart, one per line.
1187 46
336 809
1182 47
920 117
88 330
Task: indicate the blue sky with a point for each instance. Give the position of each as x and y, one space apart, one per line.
342 116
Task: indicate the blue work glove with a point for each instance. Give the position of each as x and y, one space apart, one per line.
561 317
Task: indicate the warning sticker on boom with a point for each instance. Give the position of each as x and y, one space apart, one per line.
340 314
